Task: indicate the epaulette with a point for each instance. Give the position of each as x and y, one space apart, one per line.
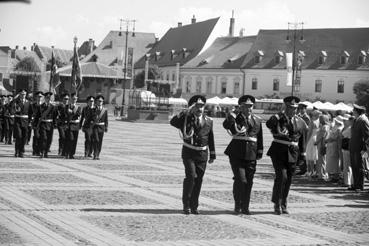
208 118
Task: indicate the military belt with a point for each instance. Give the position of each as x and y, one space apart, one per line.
100 123
74 121
285 142
251 139
47 120
190 146
21 116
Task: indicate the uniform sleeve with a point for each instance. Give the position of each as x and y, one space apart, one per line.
212 143
178 120
365 133
106 120
260 143
229 123
272 123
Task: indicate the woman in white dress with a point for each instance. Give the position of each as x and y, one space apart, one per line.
311 147
346 135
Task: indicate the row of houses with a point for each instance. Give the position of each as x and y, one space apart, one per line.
192 61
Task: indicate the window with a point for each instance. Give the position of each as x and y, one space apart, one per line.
223 89
198 84
257 59
275 84
343 60
362 57
340 86
297 85
321 60
173 77
168 76
258 56
277 59
254 84
1 77
344 57
209 85
236 88
318 85
278 56
188 86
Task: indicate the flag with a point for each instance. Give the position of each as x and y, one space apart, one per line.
76 71
289 68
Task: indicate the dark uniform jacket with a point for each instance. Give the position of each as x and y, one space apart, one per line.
359 134
2 112
46 116
87 117
73 115
9 113
288 136
195 147
244 146
62 116
101 120
22 112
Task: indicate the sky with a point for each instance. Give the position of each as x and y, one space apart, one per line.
56 22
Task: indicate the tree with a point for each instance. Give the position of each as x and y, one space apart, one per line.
58 63
27 64
154 73
361 90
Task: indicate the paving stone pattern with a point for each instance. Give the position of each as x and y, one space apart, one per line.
132 196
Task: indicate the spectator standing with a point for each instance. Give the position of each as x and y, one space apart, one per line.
311 148
346 162
334 153
322 147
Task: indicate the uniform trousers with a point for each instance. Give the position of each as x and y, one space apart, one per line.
194 170
62 140
243 176
71 142
9 128
97 139
36 148
46 136
283 178
88 141
21 134
357 169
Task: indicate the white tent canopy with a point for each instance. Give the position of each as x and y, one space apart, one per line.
177 101
213 101
229 101
332 107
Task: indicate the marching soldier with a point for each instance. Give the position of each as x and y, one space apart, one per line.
62 123
9 120
22 117
31 100
35 108
74 115
198 137
2 118
87 120
287 147
100 126
245 148
46 121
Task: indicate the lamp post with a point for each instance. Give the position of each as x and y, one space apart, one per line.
127 22
297 29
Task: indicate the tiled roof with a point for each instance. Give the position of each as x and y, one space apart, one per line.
65 56
113 46
180 44
21 54
333 42
92 69
225 52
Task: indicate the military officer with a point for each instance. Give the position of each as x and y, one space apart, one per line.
244 149
46 121
100 126
288 145
62 123
359 144
198 139
35 108
87 120
2 118
22 118
9 120
74 116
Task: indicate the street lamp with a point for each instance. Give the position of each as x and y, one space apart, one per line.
297 29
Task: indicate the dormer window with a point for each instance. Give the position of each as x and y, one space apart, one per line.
322 57
362 57
147 57
258 56
278 56
158 55
344 57
207 60
233 58
185 52
173 54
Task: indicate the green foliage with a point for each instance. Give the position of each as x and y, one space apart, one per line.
361 90
28 64
58 63
154 73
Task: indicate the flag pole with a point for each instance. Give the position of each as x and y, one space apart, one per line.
52 68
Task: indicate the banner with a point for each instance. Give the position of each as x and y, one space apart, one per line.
76 71
289 60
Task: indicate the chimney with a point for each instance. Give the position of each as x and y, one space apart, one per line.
242 31
156 40
24 48
91 44
231 26
17 47
193 20
179 24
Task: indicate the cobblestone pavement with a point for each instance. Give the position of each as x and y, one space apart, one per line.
132 197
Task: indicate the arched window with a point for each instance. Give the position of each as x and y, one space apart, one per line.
223 85
209 85
236 85
340 86
254 83
276 84
198 84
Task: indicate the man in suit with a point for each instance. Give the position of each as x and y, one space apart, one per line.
87 120
359 144
100 126
287 147
22 118
198 139
9 120
46 120
74 115
244 149
62 123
